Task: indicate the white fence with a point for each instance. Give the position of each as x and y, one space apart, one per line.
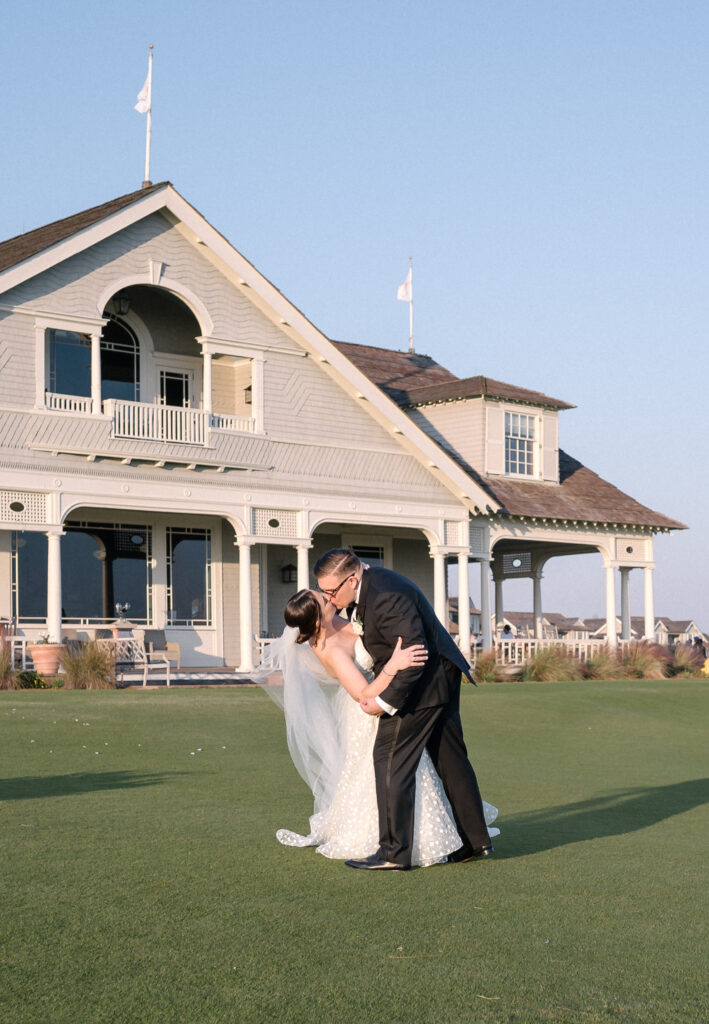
143 421
67 403
517 652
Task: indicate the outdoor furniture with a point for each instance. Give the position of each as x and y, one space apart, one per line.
159 647
130 652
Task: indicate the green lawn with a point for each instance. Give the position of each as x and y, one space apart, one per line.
141 881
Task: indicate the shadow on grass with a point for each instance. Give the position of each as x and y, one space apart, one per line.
31 787
617 814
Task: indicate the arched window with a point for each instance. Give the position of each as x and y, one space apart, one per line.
120 362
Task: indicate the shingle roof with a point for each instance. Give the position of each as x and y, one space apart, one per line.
22 247
475 387
581 495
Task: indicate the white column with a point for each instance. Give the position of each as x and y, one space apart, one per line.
649 604
464 605
54 587
246 615
439 584
499 607
610 607
625 602
96 374
537 605
303 567
485 604
207 382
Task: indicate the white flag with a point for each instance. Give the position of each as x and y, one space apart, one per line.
405 292
143 104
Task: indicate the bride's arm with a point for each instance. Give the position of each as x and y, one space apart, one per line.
340 664
401 658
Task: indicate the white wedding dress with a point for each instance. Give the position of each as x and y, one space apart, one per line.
346 823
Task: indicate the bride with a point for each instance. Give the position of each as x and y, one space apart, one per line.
331 739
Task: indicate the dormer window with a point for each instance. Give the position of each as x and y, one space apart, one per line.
520 443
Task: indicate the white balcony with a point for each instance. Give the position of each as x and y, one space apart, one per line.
142 421
67 403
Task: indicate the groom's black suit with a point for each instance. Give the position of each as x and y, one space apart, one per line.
427 701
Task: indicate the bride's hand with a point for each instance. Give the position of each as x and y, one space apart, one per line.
406 657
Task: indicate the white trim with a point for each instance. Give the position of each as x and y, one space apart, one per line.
191 300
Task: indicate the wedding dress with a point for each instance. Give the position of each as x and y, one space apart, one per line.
331 740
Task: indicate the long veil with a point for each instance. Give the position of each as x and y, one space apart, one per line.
311 721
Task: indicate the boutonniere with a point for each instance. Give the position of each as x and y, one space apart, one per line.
357 626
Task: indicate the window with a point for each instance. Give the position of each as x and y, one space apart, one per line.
189 576
69 363
519 443
102 564
120 364
175 388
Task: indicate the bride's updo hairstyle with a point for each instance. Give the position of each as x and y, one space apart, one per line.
303 612
338 562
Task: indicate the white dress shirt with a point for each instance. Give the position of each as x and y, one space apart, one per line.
382 703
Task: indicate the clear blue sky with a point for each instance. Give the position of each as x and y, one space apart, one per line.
545 162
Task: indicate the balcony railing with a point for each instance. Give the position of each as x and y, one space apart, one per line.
142 421
243 423
67 403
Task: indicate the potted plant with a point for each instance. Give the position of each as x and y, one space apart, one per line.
46 655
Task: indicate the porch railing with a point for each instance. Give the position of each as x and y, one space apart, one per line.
67 403
143 421
242 423
516 652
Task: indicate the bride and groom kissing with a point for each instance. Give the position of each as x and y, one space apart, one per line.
385 756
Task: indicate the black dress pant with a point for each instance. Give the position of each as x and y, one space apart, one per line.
401 740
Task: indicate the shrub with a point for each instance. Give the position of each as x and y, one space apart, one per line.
552 665
90 666
8 676
643 660
485 669
686 661
31 680
603 664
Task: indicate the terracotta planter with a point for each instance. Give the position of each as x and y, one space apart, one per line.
46 657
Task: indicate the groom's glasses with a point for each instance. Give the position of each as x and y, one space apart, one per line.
333 593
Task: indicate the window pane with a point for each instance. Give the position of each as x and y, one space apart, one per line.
103 565
189 576
69 363
120 375
174 389
30 576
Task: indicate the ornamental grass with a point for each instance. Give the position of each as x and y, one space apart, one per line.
686 662
8 675
643 660
89 666
552 665
602 664
486 669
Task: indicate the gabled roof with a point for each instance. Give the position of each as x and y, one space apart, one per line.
27 255
395 372
21 247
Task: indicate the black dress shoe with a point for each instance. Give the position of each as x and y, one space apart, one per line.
466 853
375 863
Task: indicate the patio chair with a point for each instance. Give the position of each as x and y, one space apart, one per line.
160 648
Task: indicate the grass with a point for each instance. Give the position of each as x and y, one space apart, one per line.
143 884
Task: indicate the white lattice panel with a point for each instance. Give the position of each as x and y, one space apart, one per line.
517 563
451 532
477 540
23 507
273 522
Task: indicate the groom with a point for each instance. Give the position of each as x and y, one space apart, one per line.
419 709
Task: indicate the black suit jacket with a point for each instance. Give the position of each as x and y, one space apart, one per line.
391 606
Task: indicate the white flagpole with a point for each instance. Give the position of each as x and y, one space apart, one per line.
411 305
149 121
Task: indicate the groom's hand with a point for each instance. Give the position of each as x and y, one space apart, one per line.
370 706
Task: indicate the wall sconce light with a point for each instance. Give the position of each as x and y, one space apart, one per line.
121 304
289 574
247 395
